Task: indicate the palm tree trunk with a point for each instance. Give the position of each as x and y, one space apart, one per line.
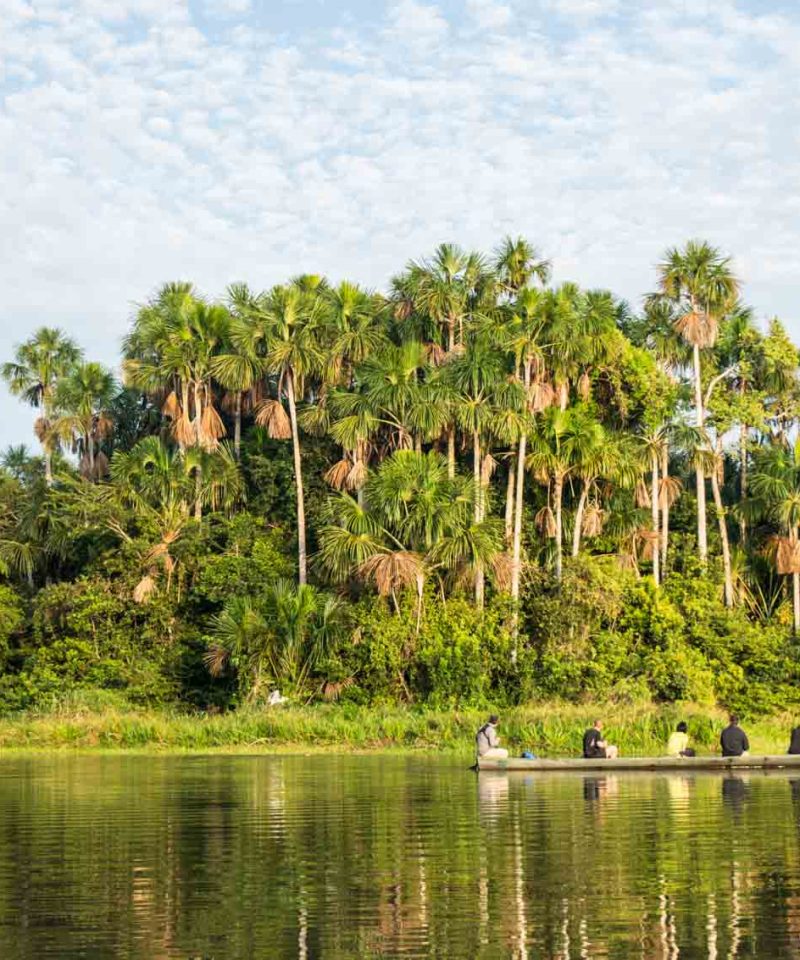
664 509
476 473
509 519
451 452
558 495
702 538
743 431
90 448
237 426
198 435
723 531
654 512
796 602
302 562
576 533
516 553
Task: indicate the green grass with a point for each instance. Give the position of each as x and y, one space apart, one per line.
549 729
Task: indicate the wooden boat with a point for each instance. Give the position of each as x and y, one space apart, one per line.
751 762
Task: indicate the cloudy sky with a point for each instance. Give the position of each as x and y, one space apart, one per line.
222 140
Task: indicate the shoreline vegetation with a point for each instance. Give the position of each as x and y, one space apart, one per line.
473 488
549 729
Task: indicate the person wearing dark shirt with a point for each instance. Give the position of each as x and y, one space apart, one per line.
794 742
595 747
734 740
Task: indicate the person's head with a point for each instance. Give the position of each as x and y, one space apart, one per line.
598 724
682 728
733 719
494 719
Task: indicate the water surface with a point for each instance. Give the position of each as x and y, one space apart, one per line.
360 857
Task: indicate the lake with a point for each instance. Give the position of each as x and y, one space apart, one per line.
384 856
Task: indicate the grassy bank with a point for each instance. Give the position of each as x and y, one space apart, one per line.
549 729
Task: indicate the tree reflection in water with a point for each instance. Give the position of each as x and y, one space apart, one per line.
343 857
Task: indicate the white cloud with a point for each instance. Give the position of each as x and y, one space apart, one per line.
226 9
488 14
138 149
415 24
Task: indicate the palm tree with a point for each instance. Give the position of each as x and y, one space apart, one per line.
38 365
280 637
83 402
517 263
700 282
561 440
775 497
282 326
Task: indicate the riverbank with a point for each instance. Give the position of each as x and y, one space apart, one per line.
549 729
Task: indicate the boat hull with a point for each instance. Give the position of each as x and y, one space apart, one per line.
751 762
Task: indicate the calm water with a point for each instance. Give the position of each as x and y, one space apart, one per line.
360 857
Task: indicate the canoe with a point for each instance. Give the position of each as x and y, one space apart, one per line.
752 762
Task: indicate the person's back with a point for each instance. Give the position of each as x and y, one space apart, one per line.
794 742
595 747
733 740
487 743
677 744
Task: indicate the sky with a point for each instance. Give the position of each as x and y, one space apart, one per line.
143 141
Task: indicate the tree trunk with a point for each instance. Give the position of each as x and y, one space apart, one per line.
664 510
509 519
796 602
198 439
198 494
237 426
702 540
451 452
723 531
476 473
48 467
302 563
654 513
516 553
558 495
743 430
576 533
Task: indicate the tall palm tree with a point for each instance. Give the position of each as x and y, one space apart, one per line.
700 282
83 402
517 264
33 374
282 326
775 497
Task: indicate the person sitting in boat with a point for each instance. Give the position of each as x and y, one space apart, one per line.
678 743
733 739
487 743
794 743
595 747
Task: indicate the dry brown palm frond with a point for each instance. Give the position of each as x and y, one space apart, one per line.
144 589
593 519
502 570
211 426
100 466
562 393
336 476
85 467
541 396
436 354
488 467
357 476
41 428
697 328
649 540
403 309
228 401
272 415
584 386
404 441
545 521
787 554
171 406
542 476
216 659
333 689
104 426
183 431
391 571
669 489
627 561
642 494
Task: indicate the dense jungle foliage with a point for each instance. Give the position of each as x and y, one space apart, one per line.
472 488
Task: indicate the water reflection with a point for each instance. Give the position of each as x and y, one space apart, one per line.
385 857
